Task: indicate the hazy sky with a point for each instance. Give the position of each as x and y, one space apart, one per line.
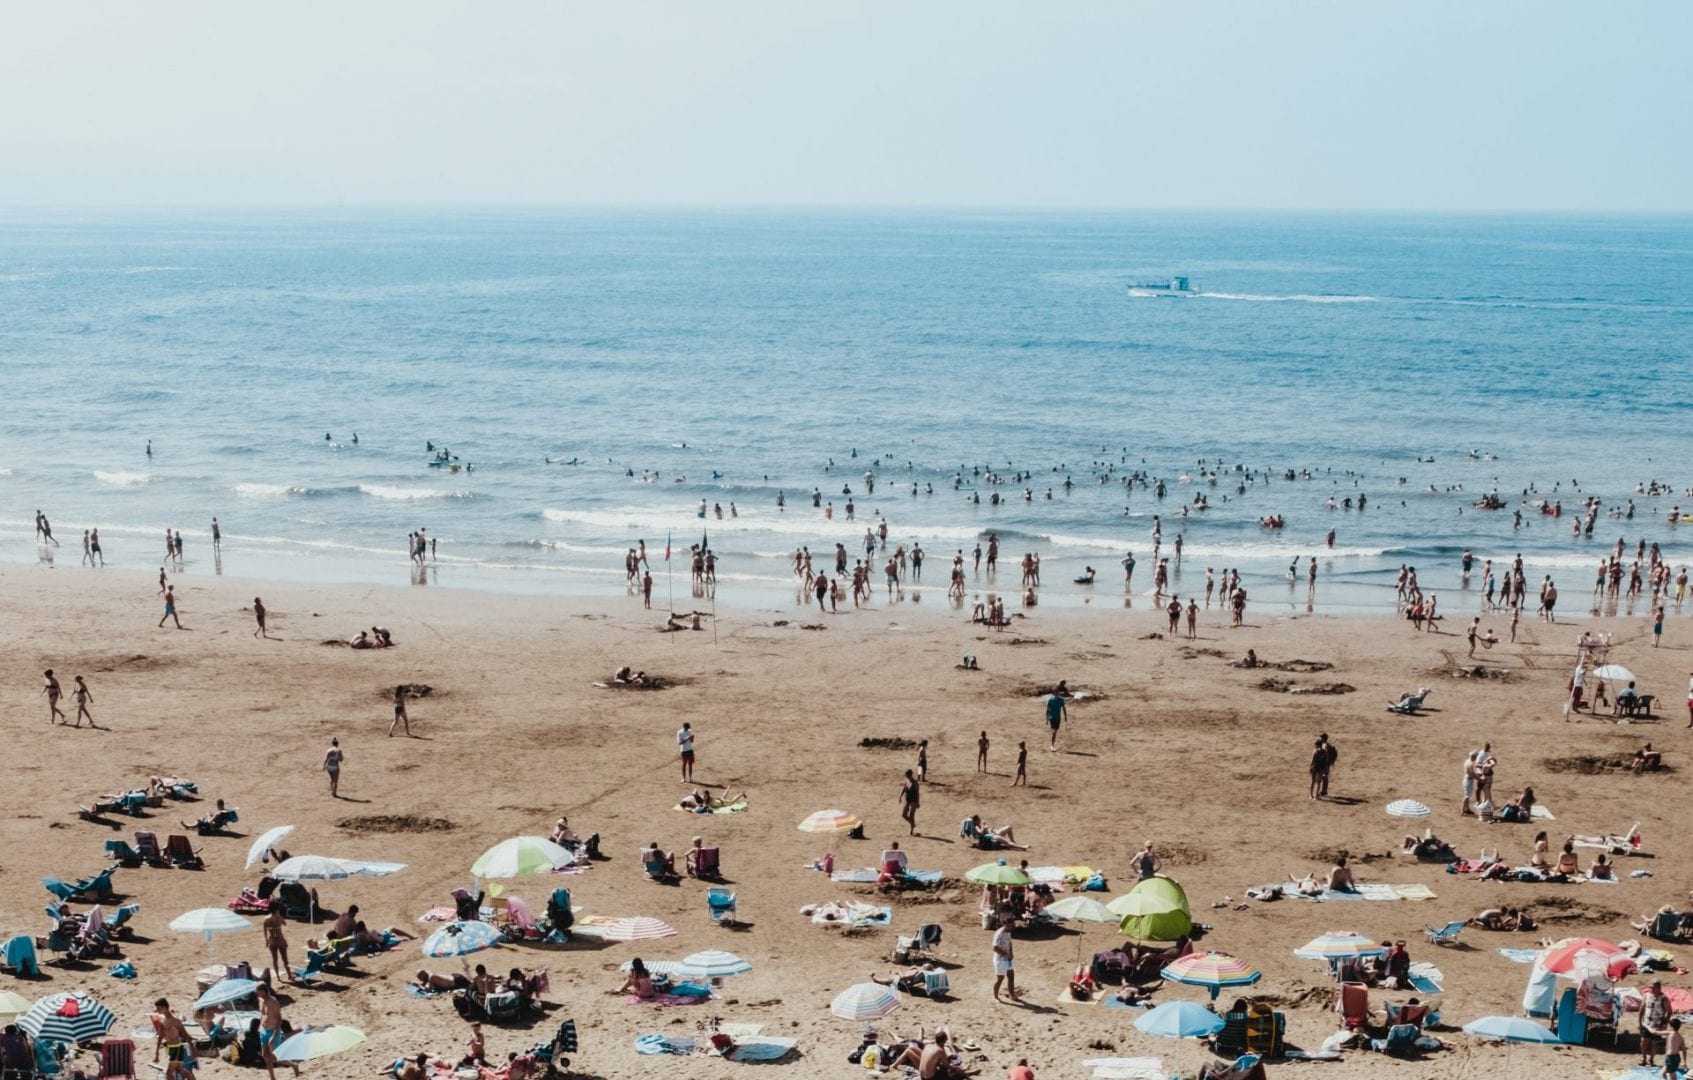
1463 105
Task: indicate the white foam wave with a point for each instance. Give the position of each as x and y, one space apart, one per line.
5 472
1301 298
259 490
805 526
389 491
123 479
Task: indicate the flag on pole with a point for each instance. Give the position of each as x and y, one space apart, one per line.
666 547
705 540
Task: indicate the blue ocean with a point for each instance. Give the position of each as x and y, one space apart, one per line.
597 376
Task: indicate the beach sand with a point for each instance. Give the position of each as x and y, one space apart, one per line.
1179 748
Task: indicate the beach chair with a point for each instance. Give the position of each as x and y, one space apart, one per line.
1353 1005
17 957
1444 935
1244 1067
181 854
554 1054
1567 1023
296 900
1231 1040
1419 1014
935 985
97 814
1665 926
657 869
125 856
706 864
117 1059
919 946
1400 1041
721 904
1265 1030
1598 1002
214 825
130 802
1409 704
147 846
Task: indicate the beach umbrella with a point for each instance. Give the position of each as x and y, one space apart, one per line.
1613 673
864 1001
654 967
226 991
1340 945
361 868
1407 808
68 1018
1510 1029
460 939
209 921
1081 909
520 856
639 928
999 872
12 1004
1180 1020
830 821
267 840
1562 956
310 868
318 1042
1212 970
712 964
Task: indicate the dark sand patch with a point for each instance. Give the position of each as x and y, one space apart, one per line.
394 823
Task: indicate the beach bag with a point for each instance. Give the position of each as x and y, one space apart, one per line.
1096 883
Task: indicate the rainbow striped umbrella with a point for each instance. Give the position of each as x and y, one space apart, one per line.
639 928
1212 970
1340 945
830 821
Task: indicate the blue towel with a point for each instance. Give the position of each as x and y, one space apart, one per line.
1518 956
20 956
658 1044
123 970
760 1048
1110 1002
1426 985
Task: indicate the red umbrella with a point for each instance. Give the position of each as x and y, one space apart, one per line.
1561 957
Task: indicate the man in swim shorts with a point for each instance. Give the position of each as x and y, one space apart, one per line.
1056 713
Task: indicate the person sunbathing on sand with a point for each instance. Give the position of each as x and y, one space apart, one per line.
1251 660
429 980
933 1061
990 839
908 980
1306 885
1506 918
639 982
362 641
1340 876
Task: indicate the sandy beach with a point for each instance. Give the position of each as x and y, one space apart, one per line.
1170 744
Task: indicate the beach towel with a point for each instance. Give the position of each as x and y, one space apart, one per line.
667 1000
762 1048
1377 891
716 807
1136 1068
1414 891
851 913
1518 956
1067 998
439 914
1060 875
1109 1000
417 991
660 1044
122 970
1540 812
1325 895
1311 1055
736 1030
1601 881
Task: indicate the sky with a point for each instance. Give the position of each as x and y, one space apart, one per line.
1468 106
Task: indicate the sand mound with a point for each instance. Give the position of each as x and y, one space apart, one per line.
1077 693
1564 909
1592 764
1303 667
395 823
887 743
1287 686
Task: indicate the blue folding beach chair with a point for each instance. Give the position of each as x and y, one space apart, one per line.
721 903
1445 935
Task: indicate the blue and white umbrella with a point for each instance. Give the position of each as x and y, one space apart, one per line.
1407 808
712 964
1510 1029
319 1042
226 991
460 939
67 1018
1180 1020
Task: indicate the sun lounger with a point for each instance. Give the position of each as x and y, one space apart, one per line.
919 946
181 854
1445 935
721 903
1353 1005
117 1059
1409 704
705 864
124 855
214 825
147 846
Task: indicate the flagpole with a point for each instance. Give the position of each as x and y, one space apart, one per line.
669 581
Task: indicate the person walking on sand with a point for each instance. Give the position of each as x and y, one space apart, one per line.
982 752
1192 617
400 716
923 760
172 1036
1056 713
217 535
910 794
51 690
1021 777
332 759
259 617
170 608
1319 769
1658 626
83 697
95 555
164 582
647 589
685 744
276 941
1004 970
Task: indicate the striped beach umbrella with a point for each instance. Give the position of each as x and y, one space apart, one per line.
712 964
1339 945
1212 970
209 921
1510 1029
639 928
318 1042
68 1018
520 856
998 872
830 821
864 1001
460 939
225 991
1407 808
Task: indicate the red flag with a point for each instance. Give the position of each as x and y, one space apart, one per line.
666 547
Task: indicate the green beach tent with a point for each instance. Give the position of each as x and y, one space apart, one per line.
1158 912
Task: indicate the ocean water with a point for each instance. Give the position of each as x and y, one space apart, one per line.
726 356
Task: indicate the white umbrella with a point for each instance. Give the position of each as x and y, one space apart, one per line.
209 921
1613 673
311 868
318 1042
262 846
521 855
362 868
713 964
1407 808
864 1001
638 928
